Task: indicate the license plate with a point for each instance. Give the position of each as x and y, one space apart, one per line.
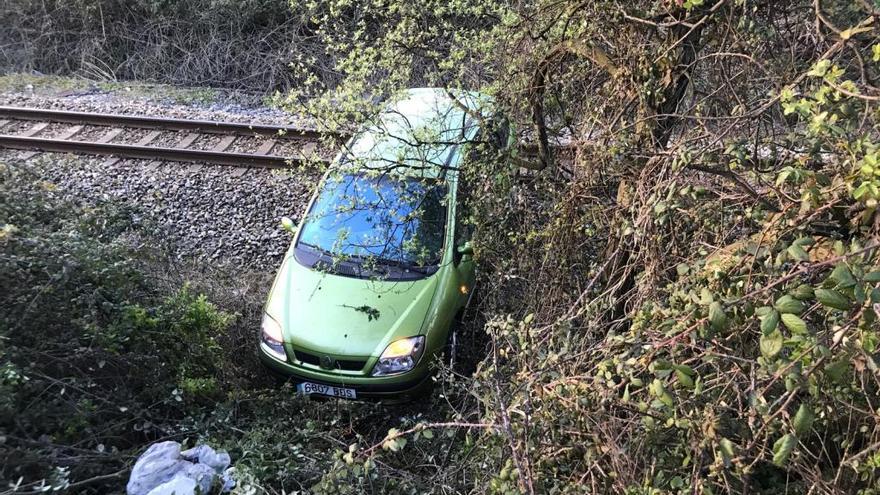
308 388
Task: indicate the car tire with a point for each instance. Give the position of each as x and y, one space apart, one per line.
452 344
450 350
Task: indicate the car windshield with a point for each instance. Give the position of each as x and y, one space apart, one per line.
420 143
377 220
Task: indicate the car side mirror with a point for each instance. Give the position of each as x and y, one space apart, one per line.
466 249
288 224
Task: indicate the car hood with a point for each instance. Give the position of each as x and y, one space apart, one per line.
346 316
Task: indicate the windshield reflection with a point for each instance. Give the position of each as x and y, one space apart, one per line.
382 224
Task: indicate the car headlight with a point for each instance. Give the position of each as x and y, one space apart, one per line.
271 338
400 355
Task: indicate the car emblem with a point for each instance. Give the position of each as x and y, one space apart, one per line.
327 362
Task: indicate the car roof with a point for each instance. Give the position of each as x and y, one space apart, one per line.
418 133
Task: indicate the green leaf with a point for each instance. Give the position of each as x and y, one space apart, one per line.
794 323
727 450
803 420
706 297
832 299
685 369
837 369
788 304
393 442
428 434
803 292
771 344
805 241
843 276
873 276
657 388
797 253
717 318
769 322
782 449
685 375
661 365
763 310
783 176
786 94
820 68
661 393
859 294
684 379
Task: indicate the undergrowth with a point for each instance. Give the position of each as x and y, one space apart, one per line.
106 348
689 304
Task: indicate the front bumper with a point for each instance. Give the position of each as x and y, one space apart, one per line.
410 383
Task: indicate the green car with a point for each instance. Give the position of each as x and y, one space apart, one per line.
381 264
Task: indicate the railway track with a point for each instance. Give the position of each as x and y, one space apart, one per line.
104 134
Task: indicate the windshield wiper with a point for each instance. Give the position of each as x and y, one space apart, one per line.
364 261
407 265
334 263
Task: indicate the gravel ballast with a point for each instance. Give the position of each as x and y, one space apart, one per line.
202 213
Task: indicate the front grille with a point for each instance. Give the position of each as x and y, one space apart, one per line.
342 364
350 365
307 358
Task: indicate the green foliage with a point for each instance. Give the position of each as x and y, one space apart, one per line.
103 350
702 317
383 47
689 305
88 345
782 449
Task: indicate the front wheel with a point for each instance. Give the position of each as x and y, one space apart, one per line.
452 345
451 351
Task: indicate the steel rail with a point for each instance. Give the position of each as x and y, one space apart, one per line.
144 122
147 152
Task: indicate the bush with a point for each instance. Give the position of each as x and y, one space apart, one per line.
242 45
90 348
107 348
